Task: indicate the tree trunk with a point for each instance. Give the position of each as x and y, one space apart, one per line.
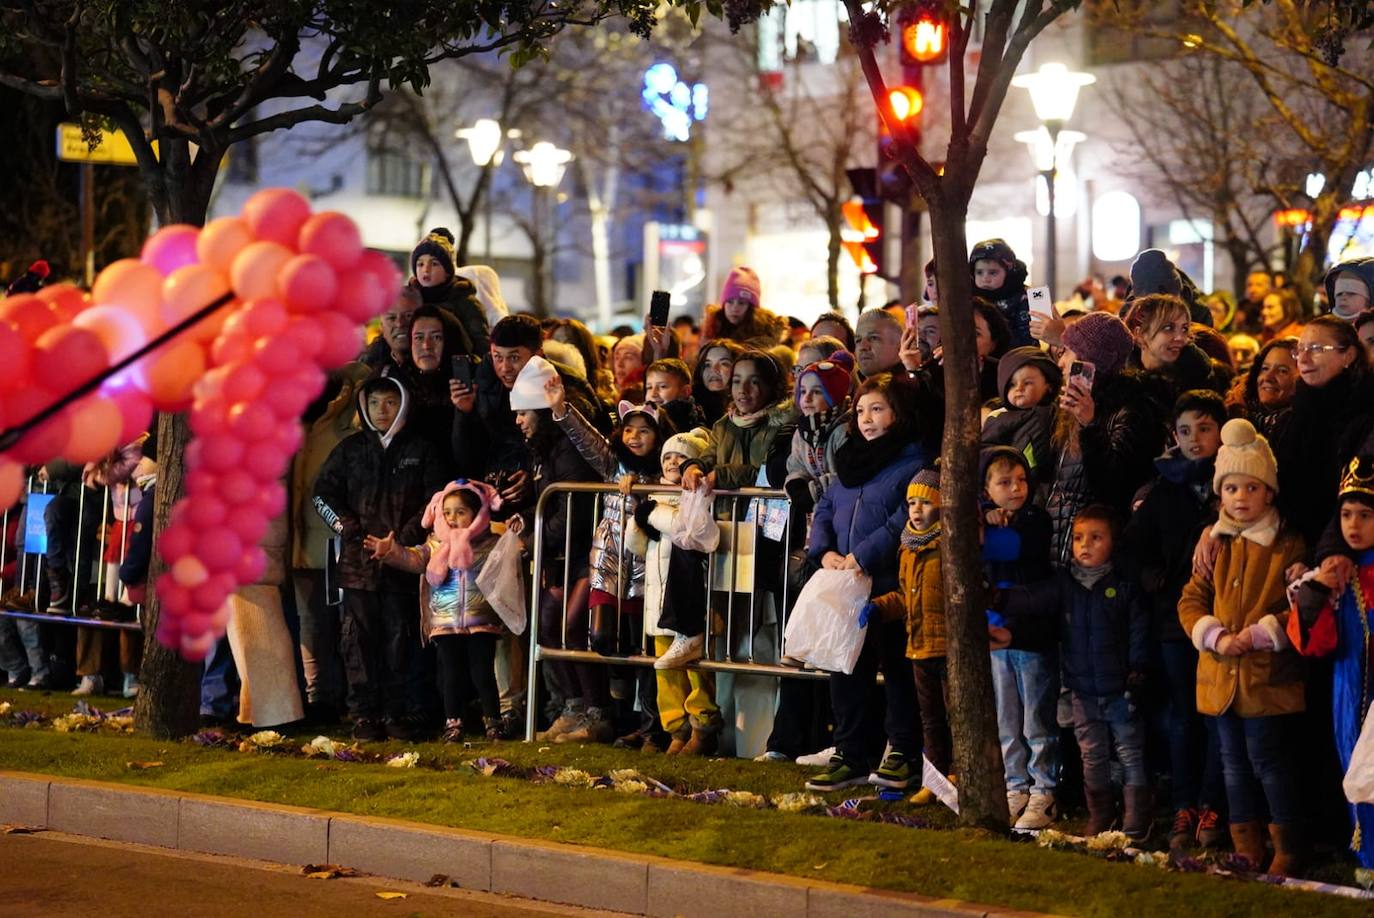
168 703
972 710
833 223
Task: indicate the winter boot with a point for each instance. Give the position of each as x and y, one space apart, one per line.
701 743
1288 853
495 728
1136 821
569 720
59 593
1248 839
679 741
453 730
604 639
1101 810
90 685
593 727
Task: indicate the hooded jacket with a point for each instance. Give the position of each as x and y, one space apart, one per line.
375 482
1192 370
1027 430
487 288
1010 298
459 298
811 460
1363 267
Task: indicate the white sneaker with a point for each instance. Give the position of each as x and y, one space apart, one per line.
1017 801
1039 814
817 759
90 685
682 651
131 685
771 756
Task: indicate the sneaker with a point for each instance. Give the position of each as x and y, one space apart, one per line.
682 651
37 684
839 774
494 728
1040 813
895 772
818 759
406 728
369 730
453 731
18 680
592 727
90 685
771 756
1183 828
130 685
1017 801
1210 831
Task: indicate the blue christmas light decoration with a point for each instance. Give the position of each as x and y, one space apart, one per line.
676 104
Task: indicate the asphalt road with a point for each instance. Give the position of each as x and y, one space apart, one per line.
53 875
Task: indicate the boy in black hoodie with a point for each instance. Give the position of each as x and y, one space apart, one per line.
1157 551
376 482
1000 277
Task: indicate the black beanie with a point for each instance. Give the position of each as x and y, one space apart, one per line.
991 453
437 244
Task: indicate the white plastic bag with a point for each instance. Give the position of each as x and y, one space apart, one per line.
502 583
694 526
1359 777
824 628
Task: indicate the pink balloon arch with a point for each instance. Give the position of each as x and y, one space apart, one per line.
237 322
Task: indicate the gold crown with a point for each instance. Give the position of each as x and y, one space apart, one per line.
1358 477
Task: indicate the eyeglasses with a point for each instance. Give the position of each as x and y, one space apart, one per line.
1316 350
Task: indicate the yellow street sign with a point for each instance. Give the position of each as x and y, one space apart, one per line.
113 149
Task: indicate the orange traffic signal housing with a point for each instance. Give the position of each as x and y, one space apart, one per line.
923 39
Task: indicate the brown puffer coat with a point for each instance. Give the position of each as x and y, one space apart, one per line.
761 329
920 601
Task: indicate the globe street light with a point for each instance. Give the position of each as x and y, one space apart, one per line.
544 165
1054 92
484 141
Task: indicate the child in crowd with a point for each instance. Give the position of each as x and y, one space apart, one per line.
1016 551
432 271
668 384
453 612
377 481
920 601
1104 651
814 350
675 610
1000 277
1028 382
1335 620
822 395
1157 551
1248 675
857 526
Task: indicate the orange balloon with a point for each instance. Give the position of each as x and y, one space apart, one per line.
96 425
188 290
131 284
11 482
29 314
254 275
66 300
221 240
172 372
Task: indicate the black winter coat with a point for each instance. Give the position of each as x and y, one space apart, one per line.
560 461
1193 370
1017 555
459 298
1104 633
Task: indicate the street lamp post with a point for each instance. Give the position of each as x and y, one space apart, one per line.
544 165
1054 92
484 145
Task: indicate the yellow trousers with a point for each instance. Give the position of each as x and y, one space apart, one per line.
685 697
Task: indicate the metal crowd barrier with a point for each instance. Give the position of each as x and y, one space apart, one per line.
719 647
34 560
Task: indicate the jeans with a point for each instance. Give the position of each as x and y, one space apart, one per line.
1258 769
1026 685
381 647
319 623
219 687
1194 753
1102 723
884 649
21 649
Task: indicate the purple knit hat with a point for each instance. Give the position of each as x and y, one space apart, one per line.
1102 339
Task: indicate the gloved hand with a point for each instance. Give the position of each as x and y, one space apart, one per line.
868 611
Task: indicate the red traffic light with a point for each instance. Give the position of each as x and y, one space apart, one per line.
923 39
906 102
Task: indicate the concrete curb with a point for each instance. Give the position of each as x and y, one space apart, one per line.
548 871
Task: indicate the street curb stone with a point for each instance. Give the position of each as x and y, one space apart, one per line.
530 868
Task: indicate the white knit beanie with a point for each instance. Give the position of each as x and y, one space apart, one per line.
1245 452
690 444
528 392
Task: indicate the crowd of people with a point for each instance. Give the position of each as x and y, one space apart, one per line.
1177 526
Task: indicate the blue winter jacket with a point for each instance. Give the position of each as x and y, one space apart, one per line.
867 520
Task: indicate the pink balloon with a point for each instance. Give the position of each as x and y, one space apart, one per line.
248 524
131 285
341 340
175 542
333 237
96 426
251 422
195 648
189 290
361 296
307 284
67 301
232 346
135 410
276 356
255 270
11 482
252 565
276 214
265 318
30 315
16 356
171 247
172 371
272 499
288 438
265 461
209 417
221 451
194 625
221 240
218 548
121 333
304 333
219 619
202 482
389 277
44 441
211 594
243 383
66 357
190 572
168 630
205 511
237 487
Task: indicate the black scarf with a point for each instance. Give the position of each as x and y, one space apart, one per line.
858 460
436 295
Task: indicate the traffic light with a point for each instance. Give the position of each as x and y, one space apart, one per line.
923 36
904 105
864 214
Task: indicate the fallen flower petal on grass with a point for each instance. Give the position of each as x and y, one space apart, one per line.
140 766
403 760
327 871
391 894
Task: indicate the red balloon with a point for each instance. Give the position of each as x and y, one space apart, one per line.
221 451
334 237
264 318
248 524
205 511
272 499
243 382
211 594
251 422
307 283
44 441
16 355
193 626
29 314
276 214
237 487
304 333
66 300
361 296
233 346
11 482
66 357
135 410
252 565
389 277
276 356
96 425
218 548
265 461
341 340
176 542
171 247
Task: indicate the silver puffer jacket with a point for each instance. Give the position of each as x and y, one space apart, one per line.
617 513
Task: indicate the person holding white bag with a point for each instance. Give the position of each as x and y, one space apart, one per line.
857 526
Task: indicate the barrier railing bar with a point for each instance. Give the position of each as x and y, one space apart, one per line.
70 620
